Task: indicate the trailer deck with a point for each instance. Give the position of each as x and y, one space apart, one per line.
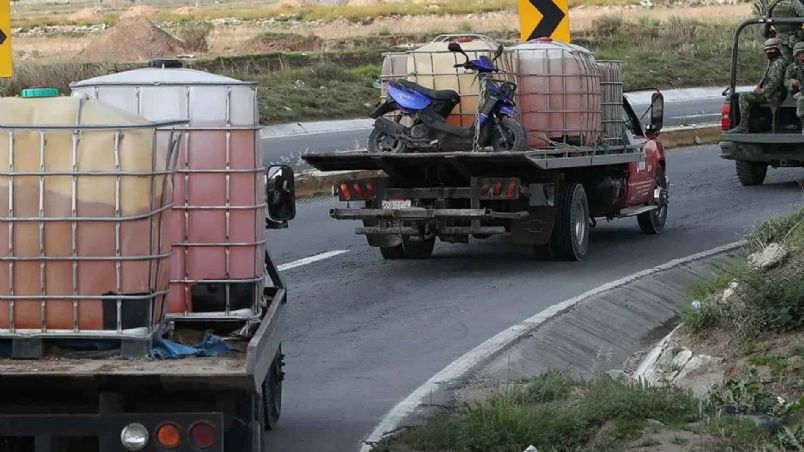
472 163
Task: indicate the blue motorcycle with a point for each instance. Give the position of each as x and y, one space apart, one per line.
427 110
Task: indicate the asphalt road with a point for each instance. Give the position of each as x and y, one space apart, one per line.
364 333
289 149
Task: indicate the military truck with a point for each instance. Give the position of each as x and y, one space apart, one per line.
774 137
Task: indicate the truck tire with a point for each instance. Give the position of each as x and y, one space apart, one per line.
379 141
418 249
392 252
272 392
570 239
516 137
653 222
751 173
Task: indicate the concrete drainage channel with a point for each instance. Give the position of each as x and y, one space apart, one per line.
591 333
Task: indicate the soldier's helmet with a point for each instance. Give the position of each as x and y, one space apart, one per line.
772 43
798 48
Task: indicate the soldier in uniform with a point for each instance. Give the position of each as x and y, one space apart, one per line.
794 79
787 33
771 88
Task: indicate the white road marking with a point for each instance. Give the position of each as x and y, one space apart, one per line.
486 350
311 259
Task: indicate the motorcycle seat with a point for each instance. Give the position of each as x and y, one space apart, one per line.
446 94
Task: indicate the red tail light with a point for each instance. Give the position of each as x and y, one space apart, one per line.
202 435
498 188
484 190
725 116
511 189
370 192
358 190
345 192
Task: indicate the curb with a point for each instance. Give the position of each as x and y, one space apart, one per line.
492 348
316 183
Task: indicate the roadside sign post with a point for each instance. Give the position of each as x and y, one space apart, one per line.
544 19
6 55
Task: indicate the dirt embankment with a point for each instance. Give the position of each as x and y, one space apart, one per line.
133 39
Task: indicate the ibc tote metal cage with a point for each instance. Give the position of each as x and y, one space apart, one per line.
113 318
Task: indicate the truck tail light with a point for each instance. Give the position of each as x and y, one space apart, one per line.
498 188
202 435
134 437
371 193
511 189
725 116
168 436
358 190
345 192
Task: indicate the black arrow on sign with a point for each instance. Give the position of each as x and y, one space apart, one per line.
2 37
551 17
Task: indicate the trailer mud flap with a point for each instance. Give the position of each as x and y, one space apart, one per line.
536 229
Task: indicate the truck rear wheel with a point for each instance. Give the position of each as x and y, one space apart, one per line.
751 173
392 252
570 239
272 392
418 249
653 222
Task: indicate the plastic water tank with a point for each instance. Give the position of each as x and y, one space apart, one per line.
83 188
432 66
559 92
218 222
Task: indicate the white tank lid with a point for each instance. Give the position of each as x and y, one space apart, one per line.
547 43
160 76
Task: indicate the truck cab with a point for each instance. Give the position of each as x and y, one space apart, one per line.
774 138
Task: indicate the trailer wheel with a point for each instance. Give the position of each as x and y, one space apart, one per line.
653 222
392 252
418 249
272 392
514 139
751 173
570 239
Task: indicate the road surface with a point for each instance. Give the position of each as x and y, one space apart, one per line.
363 332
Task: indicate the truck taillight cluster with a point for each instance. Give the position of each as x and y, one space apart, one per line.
168 436
498 188
358 190
725 116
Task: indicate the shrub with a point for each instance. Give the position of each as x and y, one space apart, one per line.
194 35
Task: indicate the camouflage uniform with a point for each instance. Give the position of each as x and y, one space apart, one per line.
795 71
773 84
788 33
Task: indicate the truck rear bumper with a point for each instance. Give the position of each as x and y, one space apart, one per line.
775 152
407 221
99 432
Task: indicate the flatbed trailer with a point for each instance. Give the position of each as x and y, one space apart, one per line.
89 400
547 198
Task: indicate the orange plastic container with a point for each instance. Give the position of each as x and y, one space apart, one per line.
559 92
84 190
218 220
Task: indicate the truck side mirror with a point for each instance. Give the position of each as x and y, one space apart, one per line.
280 196
656 113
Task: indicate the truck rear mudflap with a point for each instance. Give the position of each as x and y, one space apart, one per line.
177 432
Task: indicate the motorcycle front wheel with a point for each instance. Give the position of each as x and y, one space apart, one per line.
380 141
509 136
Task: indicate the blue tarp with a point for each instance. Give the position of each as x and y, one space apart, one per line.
212 345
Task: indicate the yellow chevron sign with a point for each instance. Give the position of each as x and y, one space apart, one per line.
544 19
5 39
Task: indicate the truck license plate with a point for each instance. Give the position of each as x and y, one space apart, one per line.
396 204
